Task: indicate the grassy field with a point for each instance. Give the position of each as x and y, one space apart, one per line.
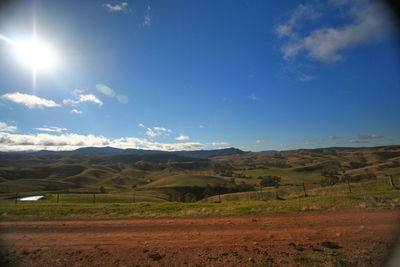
136 188
287 174
186 180
367 195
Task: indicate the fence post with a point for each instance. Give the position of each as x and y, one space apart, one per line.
304 189
391 181
348 184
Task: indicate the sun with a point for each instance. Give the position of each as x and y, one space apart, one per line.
35 54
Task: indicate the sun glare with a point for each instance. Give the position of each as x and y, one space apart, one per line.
35 54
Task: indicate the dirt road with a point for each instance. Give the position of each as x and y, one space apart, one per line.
355 238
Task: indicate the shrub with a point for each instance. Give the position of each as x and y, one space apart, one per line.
270 181
330 180
365 176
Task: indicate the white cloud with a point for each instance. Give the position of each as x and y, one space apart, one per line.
157 131
51 129
83 98
333 137
201 126
259 141
104 89
4 127
31 101
368 23
75 111
90 98
370 136
71 141
141 125
117 7
220 143
182 137
162 129
152 133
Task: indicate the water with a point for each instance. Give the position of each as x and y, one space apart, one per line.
32 198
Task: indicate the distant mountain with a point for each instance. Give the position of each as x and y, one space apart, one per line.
205 154
112 151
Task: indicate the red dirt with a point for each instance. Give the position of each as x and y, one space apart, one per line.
360 238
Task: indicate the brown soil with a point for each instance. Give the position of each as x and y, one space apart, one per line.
353 238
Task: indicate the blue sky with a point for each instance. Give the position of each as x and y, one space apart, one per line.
174 75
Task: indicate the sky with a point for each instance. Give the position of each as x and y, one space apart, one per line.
189 75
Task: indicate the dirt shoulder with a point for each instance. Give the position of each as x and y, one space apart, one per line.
354 238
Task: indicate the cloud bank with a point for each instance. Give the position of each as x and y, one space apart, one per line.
71 141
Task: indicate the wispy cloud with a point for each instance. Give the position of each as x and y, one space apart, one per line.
141 125
75 111
147 17
370 136
182 138
333 137
31 101
83 98
358 141
51 129
121 7
259 141
157 131
367 22
253 97
296 19
305 78
70 141
106 90
4 127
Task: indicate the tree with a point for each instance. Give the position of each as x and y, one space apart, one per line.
270 181
102 189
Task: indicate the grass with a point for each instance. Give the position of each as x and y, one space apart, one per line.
287 173
186 180
81 206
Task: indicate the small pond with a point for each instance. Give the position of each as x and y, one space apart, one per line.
31 198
